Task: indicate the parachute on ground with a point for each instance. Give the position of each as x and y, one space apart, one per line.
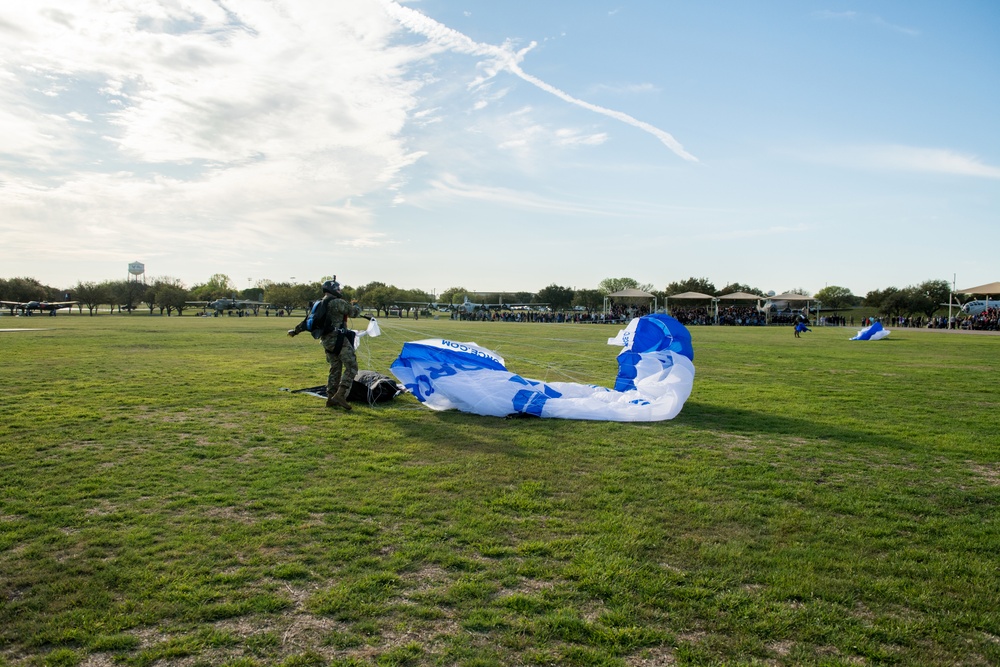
655 377
873 332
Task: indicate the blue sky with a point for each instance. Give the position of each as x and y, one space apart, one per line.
501 146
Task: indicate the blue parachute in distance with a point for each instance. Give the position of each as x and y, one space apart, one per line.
655 377
873 332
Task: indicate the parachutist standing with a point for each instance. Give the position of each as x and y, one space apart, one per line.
329 319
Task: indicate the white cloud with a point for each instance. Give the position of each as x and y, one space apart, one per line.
873 19
450 187
625 88
572 137
910 158
506 58
258 123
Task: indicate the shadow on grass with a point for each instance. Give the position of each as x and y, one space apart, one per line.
741 421
510 437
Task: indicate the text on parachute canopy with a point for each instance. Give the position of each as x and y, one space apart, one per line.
462 347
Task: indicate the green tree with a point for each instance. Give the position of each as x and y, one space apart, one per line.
381 298
612 285
898 303
25 289
167 294
125 294
930 295
218 286
453 295
591 299
91 295
363 290
521 297
875 298
282 296
557 297
412 299
836 298
739 287
692 284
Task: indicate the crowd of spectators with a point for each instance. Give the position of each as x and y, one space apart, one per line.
918 322
988 320
616 314
741 316
620 314
692 315
745 316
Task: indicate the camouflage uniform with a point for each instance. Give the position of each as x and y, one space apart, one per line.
343 365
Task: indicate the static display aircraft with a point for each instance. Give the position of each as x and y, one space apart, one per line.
27 307
429 305
469 306
979 305
223 305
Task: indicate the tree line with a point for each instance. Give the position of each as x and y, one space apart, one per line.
169 295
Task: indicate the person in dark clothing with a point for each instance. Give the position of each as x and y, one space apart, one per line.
337 340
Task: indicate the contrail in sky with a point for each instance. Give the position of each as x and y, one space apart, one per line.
505 58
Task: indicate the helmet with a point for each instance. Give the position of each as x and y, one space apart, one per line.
332 286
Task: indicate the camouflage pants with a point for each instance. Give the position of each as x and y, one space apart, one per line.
343 368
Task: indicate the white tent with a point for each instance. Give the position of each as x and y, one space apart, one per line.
740 296
693 296
735 296
789 296
988 289
629 293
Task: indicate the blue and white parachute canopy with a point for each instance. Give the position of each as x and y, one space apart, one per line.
655 377
873 332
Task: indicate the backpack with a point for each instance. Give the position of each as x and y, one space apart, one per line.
316 319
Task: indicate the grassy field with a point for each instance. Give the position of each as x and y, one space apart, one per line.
817 501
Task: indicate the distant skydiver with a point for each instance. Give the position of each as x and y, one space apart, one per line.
327 320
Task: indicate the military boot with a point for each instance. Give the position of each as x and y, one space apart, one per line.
339 400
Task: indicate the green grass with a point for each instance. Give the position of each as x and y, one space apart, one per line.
817 501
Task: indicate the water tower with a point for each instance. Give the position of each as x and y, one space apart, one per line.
136 269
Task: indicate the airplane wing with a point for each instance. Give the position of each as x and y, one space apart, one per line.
41 304
427 304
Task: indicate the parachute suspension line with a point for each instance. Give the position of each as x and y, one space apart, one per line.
393 337
550 368
365 348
